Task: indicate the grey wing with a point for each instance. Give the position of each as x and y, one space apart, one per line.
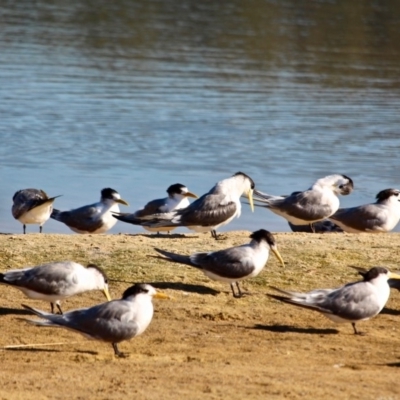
27 199
303 205
364 217
83 218
152 207
50 279
208 210
109 321
228 263
353 301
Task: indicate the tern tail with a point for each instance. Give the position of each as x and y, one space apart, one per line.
174 257
299 304
55 214
128 218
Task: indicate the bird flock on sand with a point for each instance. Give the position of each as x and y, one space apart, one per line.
315 210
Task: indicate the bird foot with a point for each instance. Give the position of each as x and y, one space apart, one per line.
360 333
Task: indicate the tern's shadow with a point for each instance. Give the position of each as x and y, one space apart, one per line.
165 236
13 311
395 364
390 311
185 287
293 329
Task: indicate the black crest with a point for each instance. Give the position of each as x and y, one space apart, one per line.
348 187
385 194
253 185
101 270
373 273
175 189
134 290
108 193
262 234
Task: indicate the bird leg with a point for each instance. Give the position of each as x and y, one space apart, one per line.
58 307
24 229
356 332
116 351
239 294
40 229
214 234
312 227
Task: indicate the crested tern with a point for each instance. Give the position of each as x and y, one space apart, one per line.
381 216
212 210
234 264
56 281
351 303
317 203
178 198
32 206
113 321
93 218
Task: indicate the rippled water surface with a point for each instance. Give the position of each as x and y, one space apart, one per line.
139 95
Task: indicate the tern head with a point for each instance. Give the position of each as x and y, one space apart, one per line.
268 237
377 273
180 190
100 279
388 195
339 184
248 187
142 289
111 194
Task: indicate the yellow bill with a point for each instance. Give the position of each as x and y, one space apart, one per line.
393 275
160 295
278 255
121 201
190 194
250 197
107 293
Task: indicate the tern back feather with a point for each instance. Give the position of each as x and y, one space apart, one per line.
101 322
215 262
83 218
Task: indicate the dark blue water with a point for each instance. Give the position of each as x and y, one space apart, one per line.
140 95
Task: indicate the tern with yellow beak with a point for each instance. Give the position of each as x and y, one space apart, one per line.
178 198
234 264
317 203
351 303
93 218
57 281
214 209
112 322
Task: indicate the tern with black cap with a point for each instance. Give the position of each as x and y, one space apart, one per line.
233 264
351 303
93 218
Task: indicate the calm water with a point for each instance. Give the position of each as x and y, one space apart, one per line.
139 95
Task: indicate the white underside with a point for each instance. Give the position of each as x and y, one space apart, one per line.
38 215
